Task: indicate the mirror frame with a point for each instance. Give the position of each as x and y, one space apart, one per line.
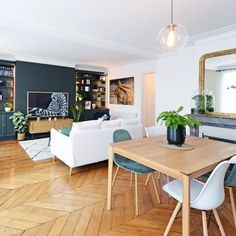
202 75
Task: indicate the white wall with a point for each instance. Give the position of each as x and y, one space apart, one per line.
177 75
136 70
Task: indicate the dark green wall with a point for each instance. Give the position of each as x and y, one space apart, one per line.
42 77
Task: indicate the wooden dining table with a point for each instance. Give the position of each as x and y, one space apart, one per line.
179 164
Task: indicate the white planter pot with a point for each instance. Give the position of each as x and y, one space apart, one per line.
7 109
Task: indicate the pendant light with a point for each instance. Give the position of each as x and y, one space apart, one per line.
172 37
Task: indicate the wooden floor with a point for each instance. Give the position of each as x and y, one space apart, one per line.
39 198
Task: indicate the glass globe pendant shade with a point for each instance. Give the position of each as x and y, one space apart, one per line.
172 38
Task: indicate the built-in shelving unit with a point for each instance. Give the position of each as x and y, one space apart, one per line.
91 89
7 84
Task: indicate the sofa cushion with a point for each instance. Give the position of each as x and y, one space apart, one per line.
65 130
85 125
110 123
134 121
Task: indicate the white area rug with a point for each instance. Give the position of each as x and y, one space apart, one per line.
37 149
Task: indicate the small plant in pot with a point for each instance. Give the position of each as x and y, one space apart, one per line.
20 123
8 106
176 125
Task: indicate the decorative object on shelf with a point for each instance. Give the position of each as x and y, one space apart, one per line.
198 105
122 91
9 84
1 83
0 95
172 37
86 88
175 123
93 106
210 101
87 105
20 123
8 106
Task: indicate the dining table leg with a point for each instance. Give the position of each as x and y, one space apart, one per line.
186 205
110 167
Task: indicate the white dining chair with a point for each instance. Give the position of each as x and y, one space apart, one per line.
150 132
204 196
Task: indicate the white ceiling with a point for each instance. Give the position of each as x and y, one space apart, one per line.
101 32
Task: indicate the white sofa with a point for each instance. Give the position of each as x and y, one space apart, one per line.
86 144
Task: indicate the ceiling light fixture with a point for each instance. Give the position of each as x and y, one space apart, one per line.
172 37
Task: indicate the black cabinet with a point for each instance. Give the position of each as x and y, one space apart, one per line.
6 126
93 114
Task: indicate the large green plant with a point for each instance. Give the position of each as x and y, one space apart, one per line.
76 111
20 121
175 118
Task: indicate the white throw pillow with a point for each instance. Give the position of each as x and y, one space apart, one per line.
110 123
129 121
85 125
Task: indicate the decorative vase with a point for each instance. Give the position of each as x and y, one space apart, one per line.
20 136
176 136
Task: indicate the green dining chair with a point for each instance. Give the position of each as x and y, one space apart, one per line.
132 166
229 182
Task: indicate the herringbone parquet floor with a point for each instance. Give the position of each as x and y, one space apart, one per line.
39 198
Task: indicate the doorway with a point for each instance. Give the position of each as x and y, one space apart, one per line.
148 99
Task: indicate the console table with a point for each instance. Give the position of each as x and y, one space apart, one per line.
44 126
214 121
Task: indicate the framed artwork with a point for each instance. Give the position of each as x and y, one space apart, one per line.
122 91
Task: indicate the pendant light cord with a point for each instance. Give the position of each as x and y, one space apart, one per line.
172 12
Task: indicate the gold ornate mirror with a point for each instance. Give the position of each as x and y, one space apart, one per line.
217 73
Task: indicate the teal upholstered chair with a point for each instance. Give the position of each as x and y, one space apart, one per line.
229 182
132 166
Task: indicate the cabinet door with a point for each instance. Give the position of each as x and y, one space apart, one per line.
2 125
9 126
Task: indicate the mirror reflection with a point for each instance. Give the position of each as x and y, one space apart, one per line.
220 78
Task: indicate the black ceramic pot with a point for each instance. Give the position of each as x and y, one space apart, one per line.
176 136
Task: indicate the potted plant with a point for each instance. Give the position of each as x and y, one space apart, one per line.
199 104
20 123
210 101
76 111
8 106
175 123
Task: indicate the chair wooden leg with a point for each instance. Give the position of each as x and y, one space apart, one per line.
155 188
231 195
148 177
204 223
136 194
159 175
53 159
131 179
171 221
70 171
219 222
114 178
